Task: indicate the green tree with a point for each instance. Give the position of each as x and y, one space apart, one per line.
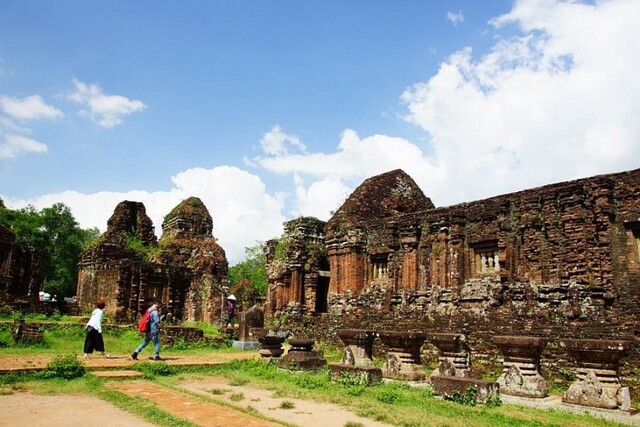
253 268
56 233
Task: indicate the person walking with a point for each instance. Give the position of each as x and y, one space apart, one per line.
231 309
93 340
152 332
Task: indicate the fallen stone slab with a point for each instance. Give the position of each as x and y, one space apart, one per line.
446 386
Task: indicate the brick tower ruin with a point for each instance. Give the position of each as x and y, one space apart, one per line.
127 267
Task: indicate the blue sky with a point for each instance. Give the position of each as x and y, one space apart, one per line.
268 110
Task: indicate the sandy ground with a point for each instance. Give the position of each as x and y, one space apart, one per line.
27 409
303 413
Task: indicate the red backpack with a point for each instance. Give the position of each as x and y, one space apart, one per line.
143 324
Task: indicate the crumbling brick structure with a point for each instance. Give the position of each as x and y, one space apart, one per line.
186 268
297 268
20 269
558 261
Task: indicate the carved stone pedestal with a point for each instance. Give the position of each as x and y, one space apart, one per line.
357 361
270 343
453 354
358 349
598 384
301 356
403 358
26 333
251 319
521 369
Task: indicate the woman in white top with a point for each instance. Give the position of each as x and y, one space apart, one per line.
94 340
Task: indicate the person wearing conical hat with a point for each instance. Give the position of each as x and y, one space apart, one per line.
230 308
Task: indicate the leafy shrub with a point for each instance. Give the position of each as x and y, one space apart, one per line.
238 381
468 398
236 397
387 396
310 381
66 367
180 343
493 400
355 390
352 379
287 404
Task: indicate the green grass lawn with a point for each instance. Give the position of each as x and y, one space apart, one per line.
68 338
393 403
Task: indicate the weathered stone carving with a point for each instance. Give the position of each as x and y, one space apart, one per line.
27 333
270 342
403 355
357 361
556 261
301 356
453 354
598 384
252 319
521 367
446 386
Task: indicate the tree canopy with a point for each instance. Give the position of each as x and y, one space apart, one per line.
57 234
253 268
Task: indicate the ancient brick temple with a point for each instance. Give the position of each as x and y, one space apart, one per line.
559 261
20 269
186 268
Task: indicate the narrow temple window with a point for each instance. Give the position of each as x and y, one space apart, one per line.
487 261
633 234
379 269
485 258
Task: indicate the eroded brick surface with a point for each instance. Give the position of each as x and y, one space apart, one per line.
186 268
557 261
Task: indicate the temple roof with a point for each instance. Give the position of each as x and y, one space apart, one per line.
386 195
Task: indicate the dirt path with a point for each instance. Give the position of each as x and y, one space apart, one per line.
187 407
28 409
24 408
302 413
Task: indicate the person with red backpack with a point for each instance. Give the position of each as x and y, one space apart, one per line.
151 329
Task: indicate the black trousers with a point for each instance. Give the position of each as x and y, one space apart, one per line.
93 341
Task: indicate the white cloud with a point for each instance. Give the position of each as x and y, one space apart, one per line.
13 141
276 142
455 18
12 145
29 108
104 110
557 102
242 210
332 177
320 199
